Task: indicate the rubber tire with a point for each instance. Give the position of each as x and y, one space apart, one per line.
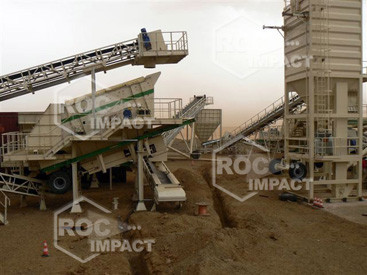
58 177
288 197
272 165
298 172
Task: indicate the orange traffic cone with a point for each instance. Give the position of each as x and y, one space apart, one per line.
316 202
45 249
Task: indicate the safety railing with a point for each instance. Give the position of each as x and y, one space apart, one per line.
276 106
194 107
182 43
209 100
165 108
189 111
175 41
333 146
272 133
256 118
13 141
325 146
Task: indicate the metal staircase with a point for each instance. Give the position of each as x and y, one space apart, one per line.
191 110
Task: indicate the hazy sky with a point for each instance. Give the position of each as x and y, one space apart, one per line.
231 58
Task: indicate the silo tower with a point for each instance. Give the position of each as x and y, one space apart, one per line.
323 52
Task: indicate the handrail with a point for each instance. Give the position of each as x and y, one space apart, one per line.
167 108
12 141
174 41
199 102
275 106
258 116
170 135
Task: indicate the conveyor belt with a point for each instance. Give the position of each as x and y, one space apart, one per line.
134 51
267 116
67 69
163 178
261 120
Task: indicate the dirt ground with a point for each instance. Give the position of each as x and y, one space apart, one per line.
260 235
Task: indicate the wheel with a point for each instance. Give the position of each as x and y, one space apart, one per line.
272 166
59 182
297 171
288 197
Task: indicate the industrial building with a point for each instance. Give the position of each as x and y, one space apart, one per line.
315 135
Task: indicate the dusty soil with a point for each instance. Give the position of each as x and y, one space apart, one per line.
354 211
260 235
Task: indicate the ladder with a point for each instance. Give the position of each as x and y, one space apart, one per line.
191 110
4 204
322 92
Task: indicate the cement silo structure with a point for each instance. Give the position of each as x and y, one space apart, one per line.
323 65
